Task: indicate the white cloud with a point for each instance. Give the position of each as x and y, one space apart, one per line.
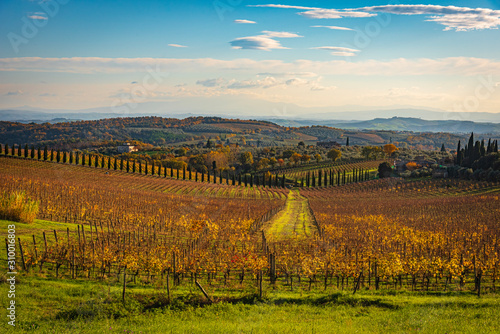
452 17
321 13
245 22
177 46
335 48
256 43
338 51
343 54
333 27
262 42
280 34
37 17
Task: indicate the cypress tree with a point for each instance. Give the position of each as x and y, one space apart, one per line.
302 182
133 166
239 179
121 164
103 162
19 152
70 158
483 149
7 149
39 153
45 153
313 180
184 172
246 180
26 151
146 167
96 161
128 166
178 173
32 152
319 178
443 149
159 168
477 151
283 181
202 176
459 155
109 163
496 147
347 142
234 179
77 158
470 151
140 167
488 150
64 157
251 180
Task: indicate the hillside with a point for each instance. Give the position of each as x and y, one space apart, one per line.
420 125
197 130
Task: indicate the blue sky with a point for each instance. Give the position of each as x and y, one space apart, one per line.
84 54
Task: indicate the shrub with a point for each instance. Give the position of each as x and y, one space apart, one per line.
18 207
384 170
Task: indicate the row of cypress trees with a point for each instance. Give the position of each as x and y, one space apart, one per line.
474 150
322 178
131 166
331 177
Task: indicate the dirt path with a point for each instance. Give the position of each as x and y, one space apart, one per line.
294 221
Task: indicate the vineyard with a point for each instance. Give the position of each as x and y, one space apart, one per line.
420 235
327 174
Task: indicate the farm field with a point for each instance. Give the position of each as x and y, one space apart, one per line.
127 251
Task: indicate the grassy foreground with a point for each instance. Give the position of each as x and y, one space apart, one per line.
49 305
46 305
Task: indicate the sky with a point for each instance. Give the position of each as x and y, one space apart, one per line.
76 54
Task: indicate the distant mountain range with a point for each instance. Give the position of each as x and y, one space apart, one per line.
403 124
398 118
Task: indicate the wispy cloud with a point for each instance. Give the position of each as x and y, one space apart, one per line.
264 42
332 27
264 83
245 22
38 16
177 46
280 34
457 66
452 17
338 51
322 13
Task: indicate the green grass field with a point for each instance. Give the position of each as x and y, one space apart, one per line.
46 305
